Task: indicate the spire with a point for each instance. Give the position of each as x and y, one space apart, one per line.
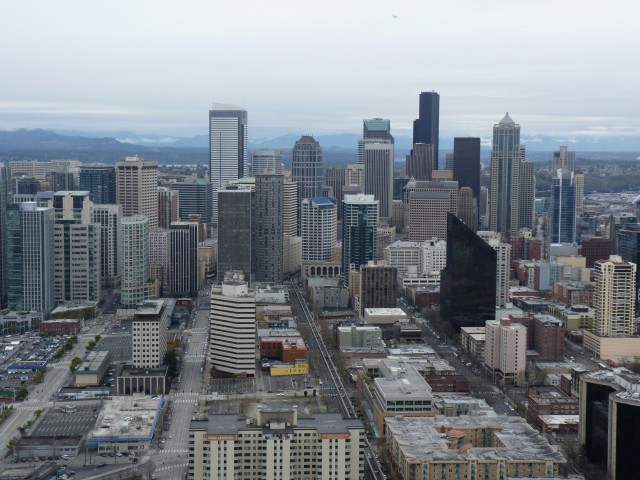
506 120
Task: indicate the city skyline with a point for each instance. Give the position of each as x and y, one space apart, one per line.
548 82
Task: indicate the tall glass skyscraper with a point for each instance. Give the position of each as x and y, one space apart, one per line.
359 232
31 258
468 282
426 129
563 207
378 175
228 153
234 230
506 156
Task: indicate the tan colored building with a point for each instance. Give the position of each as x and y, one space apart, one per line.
505 349
149 334
277 444
469 447
137 188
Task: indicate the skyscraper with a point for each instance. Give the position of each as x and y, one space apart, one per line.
267 227
194 198
234 230
359 232
505 177
306 167
563 158
232 328
426 129
109 217
228 154
614 299
290 208
334 177
526 194
100 180
30 258
77 248
183 259
468 282
428 204
374 130
168 206
318 229
266 161
420 163
4 201
378 175
135 286
137 188
563 207
466 163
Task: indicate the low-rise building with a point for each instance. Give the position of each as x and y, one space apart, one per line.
472 340
480 447
93 368
545 401
126 424
287 349
62 326
380 316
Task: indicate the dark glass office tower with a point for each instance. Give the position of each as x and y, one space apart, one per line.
234 230
563 207
100 181
426 128
468 282
466 163
267 228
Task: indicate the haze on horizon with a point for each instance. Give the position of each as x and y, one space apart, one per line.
567 69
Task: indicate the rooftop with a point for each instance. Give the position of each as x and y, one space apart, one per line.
425 439
131 417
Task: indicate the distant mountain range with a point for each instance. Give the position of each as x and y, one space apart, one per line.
109 146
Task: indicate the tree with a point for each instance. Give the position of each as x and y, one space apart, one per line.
74 363
98 337
22 393
171 360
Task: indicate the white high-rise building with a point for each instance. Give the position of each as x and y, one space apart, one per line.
425 257
503 265
378 175
614 297
134 287
319 229
232 328
505 349
149 334
228 153
109 218
137 188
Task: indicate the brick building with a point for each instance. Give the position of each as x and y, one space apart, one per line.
61 326
285 349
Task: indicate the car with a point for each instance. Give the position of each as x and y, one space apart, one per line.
64 457
118 454
280 394
170 437
103 464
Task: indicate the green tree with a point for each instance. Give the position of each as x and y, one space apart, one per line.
98 337
171 360
22 393
74 363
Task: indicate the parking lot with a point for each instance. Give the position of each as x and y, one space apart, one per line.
119 344
58 422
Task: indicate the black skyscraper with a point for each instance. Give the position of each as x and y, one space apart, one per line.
466 163
426 128
468 282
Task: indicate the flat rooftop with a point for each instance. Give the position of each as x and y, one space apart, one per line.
93 362
396 312
150 307
67 419
126 419
401 381
424 439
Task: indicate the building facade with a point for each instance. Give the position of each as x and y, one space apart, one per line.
109 217
378 175
234 230
228 148
426 129
318 229
183 259
100 181
268 230
359 232
232 328
149 334
137 188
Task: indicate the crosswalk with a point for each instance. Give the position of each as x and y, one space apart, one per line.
174 450
31 405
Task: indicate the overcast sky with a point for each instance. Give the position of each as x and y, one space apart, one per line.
561 67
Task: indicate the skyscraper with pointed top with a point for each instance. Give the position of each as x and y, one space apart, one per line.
426 128
506 158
